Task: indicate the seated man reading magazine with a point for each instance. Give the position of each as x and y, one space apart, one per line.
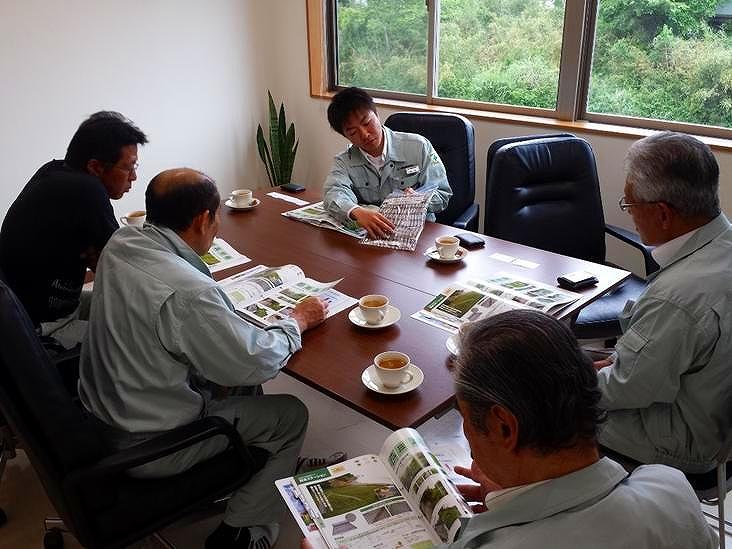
529 400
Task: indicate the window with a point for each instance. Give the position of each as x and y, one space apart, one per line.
649 63
663 60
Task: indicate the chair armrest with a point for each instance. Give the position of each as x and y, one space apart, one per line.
468 220
629 237
160 446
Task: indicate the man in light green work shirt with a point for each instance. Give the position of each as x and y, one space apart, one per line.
162 333
378 163
668 388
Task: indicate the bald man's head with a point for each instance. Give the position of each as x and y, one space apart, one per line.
175 197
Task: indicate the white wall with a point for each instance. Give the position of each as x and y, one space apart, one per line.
289 76
194 76
186 71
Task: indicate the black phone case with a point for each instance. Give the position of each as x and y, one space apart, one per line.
470 241
292 187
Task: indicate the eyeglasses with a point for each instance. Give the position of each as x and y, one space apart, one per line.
128 171
623 205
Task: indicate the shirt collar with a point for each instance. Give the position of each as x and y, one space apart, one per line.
546 498
173 242
665 253
694 240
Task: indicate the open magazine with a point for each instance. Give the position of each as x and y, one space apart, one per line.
264 295
315 214
222 256
402 497
477 299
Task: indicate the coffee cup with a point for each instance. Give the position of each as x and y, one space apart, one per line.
373 307
447 246
241 198
136 218
391 367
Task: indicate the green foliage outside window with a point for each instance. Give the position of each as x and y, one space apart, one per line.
660 59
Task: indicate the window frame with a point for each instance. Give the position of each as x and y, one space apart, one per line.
573 86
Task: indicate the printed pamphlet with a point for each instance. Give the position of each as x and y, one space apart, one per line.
477 299
264 295
408 212
315 214
402 497
222 256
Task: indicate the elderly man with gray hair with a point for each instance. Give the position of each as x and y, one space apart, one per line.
668 387
530 405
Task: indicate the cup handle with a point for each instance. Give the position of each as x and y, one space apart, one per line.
123 219
407 377
382 314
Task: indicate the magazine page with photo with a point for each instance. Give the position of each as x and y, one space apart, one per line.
265 295
478 299
402 497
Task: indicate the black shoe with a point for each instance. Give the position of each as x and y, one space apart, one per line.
305 464
230 537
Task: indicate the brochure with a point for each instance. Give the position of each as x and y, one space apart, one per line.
477 299
402 497
408 212
264 295
315 214
222 256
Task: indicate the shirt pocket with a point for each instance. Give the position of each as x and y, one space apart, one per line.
365 186
635 342
403 181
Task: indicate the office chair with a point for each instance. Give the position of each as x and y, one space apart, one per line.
711 488
453 138
543 191
84 478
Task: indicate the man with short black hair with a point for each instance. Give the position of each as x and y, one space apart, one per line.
530 405
668 388
62 219
163 339
378 163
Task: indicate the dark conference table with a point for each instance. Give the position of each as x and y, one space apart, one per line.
335 353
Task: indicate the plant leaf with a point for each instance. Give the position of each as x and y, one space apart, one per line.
264 154
284 152
274 140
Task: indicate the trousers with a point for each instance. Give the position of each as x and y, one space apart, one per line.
276 423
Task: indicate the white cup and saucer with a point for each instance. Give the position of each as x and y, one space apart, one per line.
374 311
241 199
447 249
134 219
392 373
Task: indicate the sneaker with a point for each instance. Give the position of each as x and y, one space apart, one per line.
247 537
305 464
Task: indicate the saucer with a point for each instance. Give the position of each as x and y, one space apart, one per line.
452 345
392 316
371 379
434 255
254 204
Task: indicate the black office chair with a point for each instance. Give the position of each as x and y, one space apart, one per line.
711 488
453 138
543 191
84 478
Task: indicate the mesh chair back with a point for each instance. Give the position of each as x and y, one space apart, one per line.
545 193
453 137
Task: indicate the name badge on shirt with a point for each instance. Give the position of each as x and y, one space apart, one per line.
411 170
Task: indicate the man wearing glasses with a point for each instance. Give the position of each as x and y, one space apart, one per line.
668 387
62 219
